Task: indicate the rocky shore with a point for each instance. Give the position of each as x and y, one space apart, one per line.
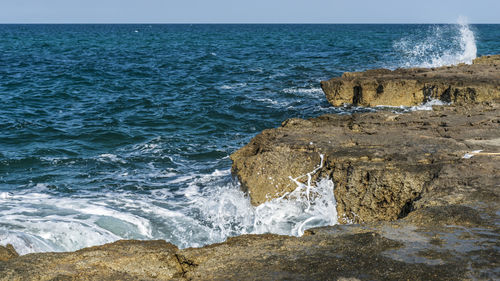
417 193
383 164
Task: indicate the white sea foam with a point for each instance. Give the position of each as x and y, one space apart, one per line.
182 179
272 103
5 195
303 91
230 212
276 75
424 106
258 69
107 157
439 46
428 105
41 222
233 86
471 154
208 209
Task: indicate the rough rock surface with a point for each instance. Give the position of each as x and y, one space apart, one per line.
122 260
459 84
383 164
8 252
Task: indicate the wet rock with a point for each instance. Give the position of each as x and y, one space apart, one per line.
358 256
456 215
458 84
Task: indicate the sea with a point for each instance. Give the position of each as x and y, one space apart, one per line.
112 132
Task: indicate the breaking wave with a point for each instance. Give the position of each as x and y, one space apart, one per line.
439 45
209 209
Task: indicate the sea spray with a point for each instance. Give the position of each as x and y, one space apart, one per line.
310 204
438 45
424 106
467 42
294 213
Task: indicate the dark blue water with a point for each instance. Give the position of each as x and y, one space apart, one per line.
124 131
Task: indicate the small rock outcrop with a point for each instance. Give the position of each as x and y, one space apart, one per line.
408 87
8 252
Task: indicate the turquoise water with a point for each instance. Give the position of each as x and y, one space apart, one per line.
125 131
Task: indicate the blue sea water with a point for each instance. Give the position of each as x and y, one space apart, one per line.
125 131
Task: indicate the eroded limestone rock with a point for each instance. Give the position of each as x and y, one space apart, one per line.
458 84
383 164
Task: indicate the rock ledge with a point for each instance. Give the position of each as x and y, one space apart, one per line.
408 87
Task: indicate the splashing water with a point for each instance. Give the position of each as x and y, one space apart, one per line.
228 211
209 210
467 42
309 205
439 46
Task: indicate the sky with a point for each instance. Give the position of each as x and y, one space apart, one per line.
248 11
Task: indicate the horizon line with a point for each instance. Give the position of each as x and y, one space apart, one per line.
241 23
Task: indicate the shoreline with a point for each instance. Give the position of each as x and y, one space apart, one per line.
422 210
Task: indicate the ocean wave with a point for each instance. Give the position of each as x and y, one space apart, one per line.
427 105
273 103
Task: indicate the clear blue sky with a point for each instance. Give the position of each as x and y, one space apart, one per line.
248 11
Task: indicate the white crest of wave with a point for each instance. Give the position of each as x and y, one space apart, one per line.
439 46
